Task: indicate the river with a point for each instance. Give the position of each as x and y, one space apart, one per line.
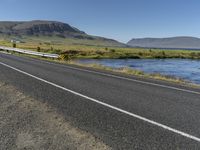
186 69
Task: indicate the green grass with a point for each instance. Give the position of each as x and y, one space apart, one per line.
134 53
79 48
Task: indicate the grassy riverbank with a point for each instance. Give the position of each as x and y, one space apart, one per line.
69 50
130 71
133 53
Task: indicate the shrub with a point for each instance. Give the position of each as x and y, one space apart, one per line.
71 52
14 45
99 52
163 53
112 50
64 57
140 53
38 49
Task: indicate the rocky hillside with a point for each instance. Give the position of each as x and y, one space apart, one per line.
173 42
37 27
51 29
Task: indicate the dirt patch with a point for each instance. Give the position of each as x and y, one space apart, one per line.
26 123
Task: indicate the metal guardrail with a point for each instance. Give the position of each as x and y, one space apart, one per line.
29 52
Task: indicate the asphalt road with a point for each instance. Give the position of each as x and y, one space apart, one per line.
124 112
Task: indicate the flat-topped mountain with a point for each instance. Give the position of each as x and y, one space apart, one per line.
173 42
37 27
19 29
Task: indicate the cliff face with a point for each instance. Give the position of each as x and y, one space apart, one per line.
25 30
38 27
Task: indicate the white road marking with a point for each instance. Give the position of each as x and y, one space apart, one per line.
108 105
123 78
134 80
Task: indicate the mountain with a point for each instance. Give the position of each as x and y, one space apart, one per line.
37 28
57 30
172 42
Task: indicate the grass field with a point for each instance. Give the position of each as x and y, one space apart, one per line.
70 48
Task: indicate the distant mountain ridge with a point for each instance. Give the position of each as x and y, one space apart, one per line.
172 42
50 28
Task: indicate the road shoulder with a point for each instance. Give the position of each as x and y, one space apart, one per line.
30 124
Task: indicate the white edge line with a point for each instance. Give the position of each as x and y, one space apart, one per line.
109 106
138 81
124 78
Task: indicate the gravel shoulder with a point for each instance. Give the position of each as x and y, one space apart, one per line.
26 123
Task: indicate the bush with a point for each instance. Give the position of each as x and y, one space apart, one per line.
163 53
38 49
112 50
140 53
14 45
64 57
72 52
99 52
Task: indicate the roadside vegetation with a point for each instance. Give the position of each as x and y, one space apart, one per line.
76 51
69 51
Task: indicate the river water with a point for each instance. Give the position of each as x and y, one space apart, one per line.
186 69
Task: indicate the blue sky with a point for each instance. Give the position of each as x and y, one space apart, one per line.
118 19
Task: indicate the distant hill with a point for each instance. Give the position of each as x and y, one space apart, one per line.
173 42
26 29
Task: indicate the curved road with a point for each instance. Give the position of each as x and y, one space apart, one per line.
125 112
